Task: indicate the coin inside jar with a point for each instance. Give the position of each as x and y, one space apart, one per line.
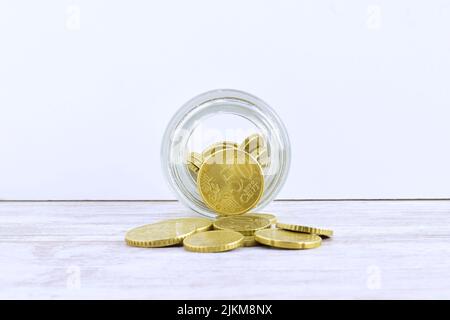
219 146
262 156
194 162
253 143
230 182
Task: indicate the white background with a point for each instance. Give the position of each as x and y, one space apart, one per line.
87 88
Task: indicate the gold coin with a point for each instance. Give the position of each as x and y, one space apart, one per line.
279 238
268 216
194 162
230 182
219 146
160 234
252 143
213 241
245 224
305 229
249 241
201 224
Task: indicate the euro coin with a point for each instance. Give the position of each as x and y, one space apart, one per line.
268 216
201 224
219 146
213 241
230 182
249 241
252 143
194 162
245 224
305 229
279 238
160 234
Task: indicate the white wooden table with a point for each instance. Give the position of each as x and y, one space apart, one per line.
75 250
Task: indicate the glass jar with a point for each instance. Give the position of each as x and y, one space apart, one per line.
216 116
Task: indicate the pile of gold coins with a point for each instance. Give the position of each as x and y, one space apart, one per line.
226 233
230 180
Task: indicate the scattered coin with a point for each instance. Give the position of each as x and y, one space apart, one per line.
201 224
245 224
279 238
268 216
160 234
213 241
305 229
246 230
230 183
249 241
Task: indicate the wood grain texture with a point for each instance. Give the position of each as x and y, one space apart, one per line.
75 250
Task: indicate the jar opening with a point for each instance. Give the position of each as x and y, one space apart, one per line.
226 117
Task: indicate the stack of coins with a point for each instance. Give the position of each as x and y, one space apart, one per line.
230 176
227 233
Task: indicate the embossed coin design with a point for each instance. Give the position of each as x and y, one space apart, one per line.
230 182
213 241
160 234
305 229
219 146
279 238
245 224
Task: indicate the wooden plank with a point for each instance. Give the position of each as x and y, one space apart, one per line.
381 250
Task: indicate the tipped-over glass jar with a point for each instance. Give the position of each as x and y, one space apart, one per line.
226 124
